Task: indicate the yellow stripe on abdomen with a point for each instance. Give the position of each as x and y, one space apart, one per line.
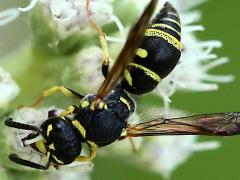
165 26
171 20
146 71
166 36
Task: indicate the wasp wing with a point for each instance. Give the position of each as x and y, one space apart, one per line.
126 55
218 124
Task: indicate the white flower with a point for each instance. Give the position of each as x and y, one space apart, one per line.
70 15
63 175
165 154
84 72
8 88
196 60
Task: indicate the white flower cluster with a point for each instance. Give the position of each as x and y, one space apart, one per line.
70 15
8 88
87 74
163 154
196 60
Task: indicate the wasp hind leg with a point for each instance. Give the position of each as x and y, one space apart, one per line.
102 38
66 91
16 159
133 146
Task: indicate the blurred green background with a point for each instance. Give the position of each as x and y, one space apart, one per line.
221 20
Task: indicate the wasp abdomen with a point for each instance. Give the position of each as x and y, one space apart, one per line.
158 54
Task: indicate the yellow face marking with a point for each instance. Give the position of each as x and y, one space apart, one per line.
49 129
51 146
166 36
128 77
84 104
166 27
172 20
147 71
57 160
122 99
81 129
142 53
41 146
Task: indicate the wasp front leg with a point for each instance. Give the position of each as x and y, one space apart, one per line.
102 39
66 91
93 152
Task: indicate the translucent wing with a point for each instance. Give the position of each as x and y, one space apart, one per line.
218 124
156 113
133 42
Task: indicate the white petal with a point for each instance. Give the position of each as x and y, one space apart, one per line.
8 88
29 7
8 16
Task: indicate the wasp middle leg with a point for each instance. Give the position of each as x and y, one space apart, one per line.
102 38
66 91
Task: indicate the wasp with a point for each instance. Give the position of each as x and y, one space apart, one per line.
150 53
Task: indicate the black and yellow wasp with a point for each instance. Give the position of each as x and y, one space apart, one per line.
150 54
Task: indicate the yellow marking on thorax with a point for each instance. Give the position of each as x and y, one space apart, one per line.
51 146
41 146
128 77
69 111
166 27
102 105
142 53
124 101
49 129
81 129
147 71
57 160
48 155
166 36
84 104
171 20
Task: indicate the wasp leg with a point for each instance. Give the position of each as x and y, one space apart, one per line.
124 136
102 38
92 149
134 149
66 91
10 123
16 159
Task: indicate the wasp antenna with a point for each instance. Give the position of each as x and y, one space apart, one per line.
16 159
10 123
